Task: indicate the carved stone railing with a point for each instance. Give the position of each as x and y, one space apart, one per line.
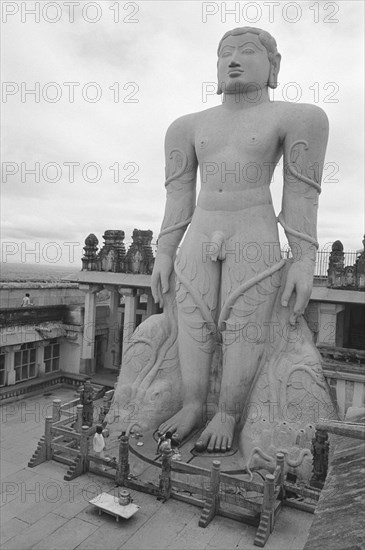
112 256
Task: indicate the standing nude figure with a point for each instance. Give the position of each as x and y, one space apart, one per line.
229 267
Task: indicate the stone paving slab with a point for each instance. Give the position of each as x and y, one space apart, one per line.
193 536
11 528
228 535
35 533
158 531
68 536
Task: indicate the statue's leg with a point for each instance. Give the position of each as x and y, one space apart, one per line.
197 290
245 326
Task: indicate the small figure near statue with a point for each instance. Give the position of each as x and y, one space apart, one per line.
99 443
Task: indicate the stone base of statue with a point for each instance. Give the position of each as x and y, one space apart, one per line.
288 396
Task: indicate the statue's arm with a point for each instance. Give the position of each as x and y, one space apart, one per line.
181 171
305 145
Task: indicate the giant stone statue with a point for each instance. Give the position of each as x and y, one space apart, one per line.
231 353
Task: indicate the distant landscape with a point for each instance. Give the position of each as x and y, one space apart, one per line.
25 272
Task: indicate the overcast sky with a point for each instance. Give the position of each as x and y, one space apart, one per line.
149 64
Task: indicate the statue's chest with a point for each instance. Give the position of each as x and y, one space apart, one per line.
234 137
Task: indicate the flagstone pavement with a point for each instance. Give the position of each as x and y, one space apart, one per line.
42 511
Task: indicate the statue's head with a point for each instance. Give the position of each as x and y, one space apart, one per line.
253 52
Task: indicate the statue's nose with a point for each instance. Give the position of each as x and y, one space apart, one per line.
234 63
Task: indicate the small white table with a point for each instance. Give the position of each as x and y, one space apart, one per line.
110 504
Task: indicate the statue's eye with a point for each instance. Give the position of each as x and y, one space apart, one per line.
248 50
226 53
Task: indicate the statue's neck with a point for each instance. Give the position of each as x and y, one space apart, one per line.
246 100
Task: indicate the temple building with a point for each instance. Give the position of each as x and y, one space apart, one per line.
75 329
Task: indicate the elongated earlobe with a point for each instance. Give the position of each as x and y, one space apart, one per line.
274 71
219 89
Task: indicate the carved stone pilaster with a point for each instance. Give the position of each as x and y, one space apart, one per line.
165 476
87 401
122 472
89 259
111 256
320 448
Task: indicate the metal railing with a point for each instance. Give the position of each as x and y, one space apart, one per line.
322 260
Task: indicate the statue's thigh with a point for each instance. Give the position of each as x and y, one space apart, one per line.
253 305
197 279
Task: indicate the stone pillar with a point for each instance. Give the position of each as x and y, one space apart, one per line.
9 366
130 304
78 423
122 473
87 359
327 320
48 437
40 358
112 355
152 307
56 410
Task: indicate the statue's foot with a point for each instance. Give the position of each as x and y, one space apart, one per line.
218 435
184 421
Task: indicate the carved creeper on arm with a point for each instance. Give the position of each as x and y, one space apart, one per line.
304 150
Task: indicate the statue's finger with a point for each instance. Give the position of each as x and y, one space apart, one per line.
165 284
288 291
300 303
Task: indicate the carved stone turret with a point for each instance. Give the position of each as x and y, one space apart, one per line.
336 265
360 268
111 257
89 259
146 241
139 257
351 277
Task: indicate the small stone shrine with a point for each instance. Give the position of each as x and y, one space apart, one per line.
112 257
351 277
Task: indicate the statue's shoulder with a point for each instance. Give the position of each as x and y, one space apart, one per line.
190 121
186 125
292 114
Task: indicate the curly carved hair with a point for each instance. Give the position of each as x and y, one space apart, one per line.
265 38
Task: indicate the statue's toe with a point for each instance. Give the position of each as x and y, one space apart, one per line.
200 445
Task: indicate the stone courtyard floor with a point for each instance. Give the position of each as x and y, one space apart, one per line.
41 510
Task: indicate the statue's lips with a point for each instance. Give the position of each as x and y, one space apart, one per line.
235 72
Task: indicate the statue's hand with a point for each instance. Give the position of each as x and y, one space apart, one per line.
160 277
299 280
